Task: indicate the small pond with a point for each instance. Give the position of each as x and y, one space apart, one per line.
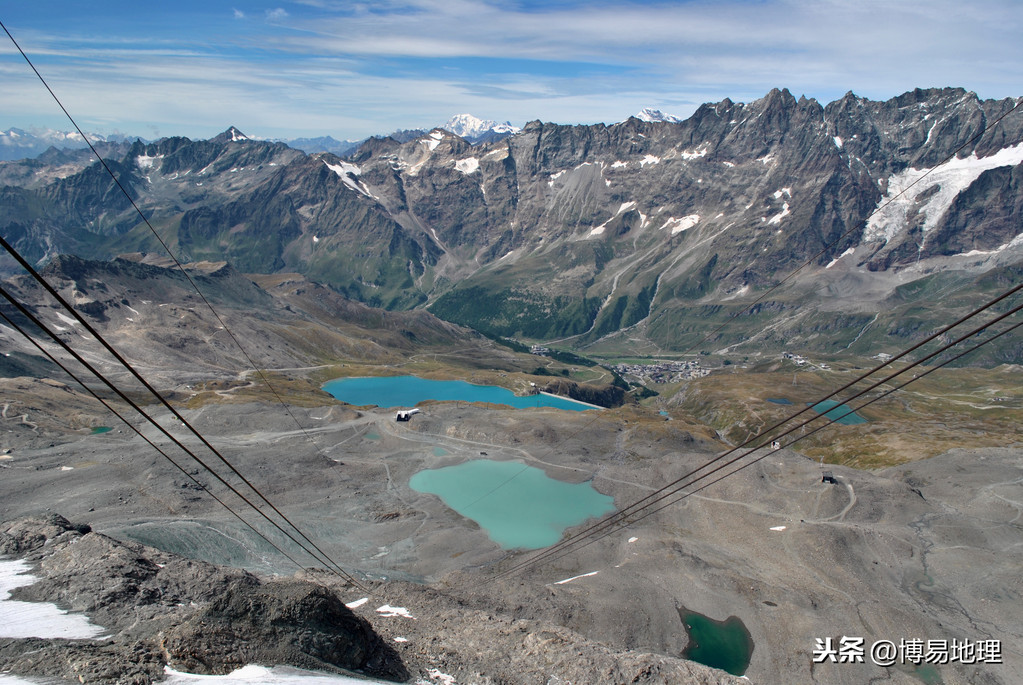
407 391
833 410
721 644
779 400
520 507
101 429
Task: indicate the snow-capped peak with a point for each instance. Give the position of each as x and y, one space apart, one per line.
472 128
652 115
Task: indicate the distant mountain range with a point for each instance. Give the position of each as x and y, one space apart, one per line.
643 236
16 143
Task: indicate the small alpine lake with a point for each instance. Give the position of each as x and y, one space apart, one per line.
839 413
519 506
720 644
407 391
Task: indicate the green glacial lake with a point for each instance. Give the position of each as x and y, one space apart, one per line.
721 644
407 391
832 410
520 507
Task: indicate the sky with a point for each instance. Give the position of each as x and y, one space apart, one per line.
306 68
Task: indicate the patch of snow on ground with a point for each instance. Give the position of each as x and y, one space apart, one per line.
357 603
468 165
66 319
649 159
387 611
261 675
776 219
787 192
844 254
683 224
633 539
950 179
625 207
555 177
620 165
37 619
778 528
838 142
434 674
569 580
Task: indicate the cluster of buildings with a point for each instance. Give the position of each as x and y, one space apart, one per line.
799 360
664 372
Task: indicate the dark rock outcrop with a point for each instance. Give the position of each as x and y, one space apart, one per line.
164 609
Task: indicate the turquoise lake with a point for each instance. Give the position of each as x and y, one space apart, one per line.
407 391
721 644
832 410
520 507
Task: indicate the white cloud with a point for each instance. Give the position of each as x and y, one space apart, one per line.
353 70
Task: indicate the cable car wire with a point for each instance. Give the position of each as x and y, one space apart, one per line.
830 422
329 563
677 484
142 435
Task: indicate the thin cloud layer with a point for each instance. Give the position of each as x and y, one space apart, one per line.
350 69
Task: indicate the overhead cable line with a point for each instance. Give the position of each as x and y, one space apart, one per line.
124 362
831 421
677 484
163 243
791 275
328 563
134 428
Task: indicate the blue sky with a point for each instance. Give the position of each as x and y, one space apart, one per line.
354 69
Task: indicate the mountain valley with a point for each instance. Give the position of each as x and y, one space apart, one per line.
697 280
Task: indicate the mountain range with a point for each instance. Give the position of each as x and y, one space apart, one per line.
644 235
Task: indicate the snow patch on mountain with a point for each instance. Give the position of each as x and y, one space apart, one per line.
473 128
933 195
345 172
146 162
695 154
655 115
681 224
433 140
844 254
467 166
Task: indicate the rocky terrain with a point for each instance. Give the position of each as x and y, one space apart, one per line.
884 555
643 234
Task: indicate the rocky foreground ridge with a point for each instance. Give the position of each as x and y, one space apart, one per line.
161 609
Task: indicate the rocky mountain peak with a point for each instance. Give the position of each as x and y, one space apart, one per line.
231 135
651 115
475 130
